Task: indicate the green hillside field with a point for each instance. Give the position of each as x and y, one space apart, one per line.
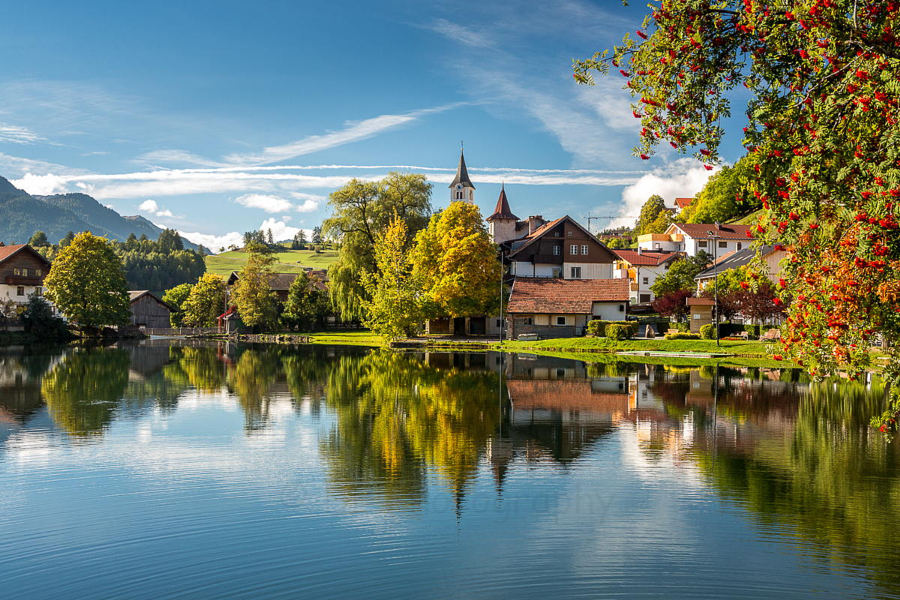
287 261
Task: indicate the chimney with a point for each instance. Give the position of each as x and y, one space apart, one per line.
640 251
2 244
534 222
718 225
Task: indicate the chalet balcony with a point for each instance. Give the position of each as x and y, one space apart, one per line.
547 259
19 280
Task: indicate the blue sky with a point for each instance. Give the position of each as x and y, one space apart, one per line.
219 117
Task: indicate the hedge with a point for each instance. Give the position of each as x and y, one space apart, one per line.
598 328
617 331
682 336
707 332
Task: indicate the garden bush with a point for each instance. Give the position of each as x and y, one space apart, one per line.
708 332
682 336
599 328
616 331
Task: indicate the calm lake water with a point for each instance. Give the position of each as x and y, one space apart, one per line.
171 471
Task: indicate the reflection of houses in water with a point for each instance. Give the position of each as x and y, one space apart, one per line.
20 387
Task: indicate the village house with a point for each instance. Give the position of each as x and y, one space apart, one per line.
642 268
280 283
22 272
683 203
147 310
554 308
692 238
770 256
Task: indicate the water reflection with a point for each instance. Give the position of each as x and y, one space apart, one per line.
798 458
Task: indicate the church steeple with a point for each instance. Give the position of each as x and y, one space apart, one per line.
461 188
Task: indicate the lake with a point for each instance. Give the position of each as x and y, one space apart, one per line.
184 470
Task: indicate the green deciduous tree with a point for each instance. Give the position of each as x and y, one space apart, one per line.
256 302
205 302
393 306
38 240
680 275
821 78
306 306
176 297
456 264
87 283
361 211
724 197
650 212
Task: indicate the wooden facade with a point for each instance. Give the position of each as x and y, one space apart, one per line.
149 311
22 272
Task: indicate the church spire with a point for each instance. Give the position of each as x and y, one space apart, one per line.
502 210
461 187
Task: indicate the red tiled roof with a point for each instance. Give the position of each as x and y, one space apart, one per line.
502 211
8 251
683 202
700 301
645 258
565 296
724 231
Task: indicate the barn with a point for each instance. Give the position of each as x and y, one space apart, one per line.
149 311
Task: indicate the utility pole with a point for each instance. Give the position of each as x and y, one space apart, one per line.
715 238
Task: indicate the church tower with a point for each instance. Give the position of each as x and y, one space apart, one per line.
462 188
503 221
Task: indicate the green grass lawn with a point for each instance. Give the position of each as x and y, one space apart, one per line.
605 344
340 338
288 261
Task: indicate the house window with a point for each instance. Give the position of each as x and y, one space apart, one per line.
573 249
621 308
740 245
646 280
528 321
723 244
561 320
701 244
555 234
38 272
38 291
557 250
499 322
576 272
569 233
20 291
584 250
17 272
557 272
645 298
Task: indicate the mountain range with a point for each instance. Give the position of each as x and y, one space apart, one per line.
21 214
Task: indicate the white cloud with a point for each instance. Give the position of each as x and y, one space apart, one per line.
214 242
680 179
280 229
353 131
18 135
41 185
151 207
460 34
270 204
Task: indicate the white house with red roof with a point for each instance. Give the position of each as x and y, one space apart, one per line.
553 307
642 268
715 239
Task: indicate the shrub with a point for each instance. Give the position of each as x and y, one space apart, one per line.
753 330
707 332
616 331
682 327
600 328
41 323
682 336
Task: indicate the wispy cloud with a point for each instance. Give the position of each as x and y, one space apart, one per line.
458 33
268 203
18 135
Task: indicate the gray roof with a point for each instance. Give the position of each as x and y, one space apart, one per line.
462 175
735 261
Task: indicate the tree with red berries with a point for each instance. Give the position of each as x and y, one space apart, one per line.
823 138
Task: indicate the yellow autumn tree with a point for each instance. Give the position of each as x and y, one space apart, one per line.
393 303
456 264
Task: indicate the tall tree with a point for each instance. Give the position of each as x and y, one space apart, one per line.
66 240
205 302
317 234
724 197
38 240
87 283
176 297
306 306
649 214
362 211
680 275
393 304
257 304
457 264
822 139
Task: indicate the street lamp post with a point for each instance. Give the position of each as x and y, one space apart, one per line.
714 238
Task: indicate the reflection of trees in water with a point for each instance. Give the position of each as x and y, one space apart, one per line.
397 415
250 380
84 390
819 468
